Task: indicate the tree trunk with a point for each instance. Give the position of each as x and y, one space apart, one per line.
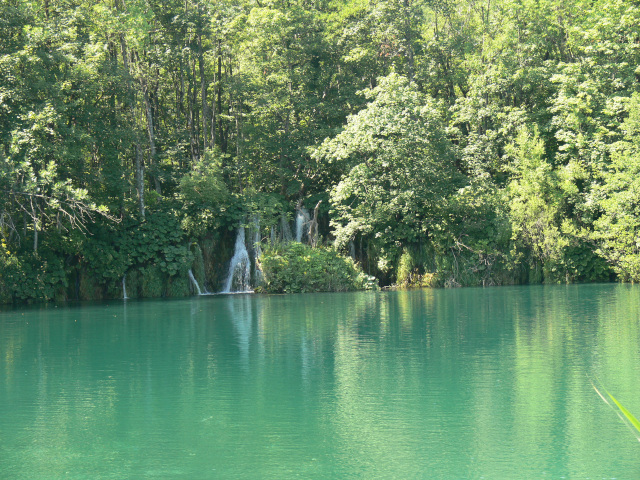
195 137
150 131
283 143
139 164
181 91
203 91
223 145
35 232
408 38
139 179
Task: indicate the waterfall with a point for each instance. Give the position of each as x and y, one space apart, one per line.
299 222
124 288
286 229
239 276
194 282
302 220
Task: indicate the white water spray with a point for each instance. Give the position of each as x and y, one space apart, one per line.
302 220
124 288
286 229
239 276
194 282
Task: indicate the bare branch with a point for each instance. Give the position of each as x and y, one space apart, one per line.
35 206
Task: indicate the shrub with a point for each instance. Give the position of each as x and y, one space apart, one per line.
34 276
295 268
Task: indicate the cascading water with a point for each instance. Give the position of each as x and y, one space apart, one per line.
194 282
302 220
299 221
285 229
239 276
124 288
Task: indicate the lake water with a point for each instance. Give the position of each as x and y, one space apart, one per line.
489 383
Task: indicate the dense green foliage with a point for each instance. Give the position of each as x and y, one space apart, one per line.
295 268
450 142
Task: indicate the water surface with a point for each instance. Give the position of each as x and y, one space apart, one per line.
468 383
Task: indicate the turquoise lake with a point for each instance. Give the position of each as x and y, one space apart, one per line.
491 383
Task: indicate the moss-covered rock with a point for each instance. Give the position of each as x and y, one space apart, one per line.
151 284
178 285
216 250
197 266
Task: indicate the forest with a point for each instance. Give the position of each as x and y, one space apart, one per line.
428 142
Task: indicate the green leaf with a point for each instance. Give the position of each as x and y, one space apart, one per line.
632 419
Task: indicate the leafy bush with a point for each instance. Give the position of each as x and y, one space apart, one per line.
160 241
31 277
295 267
149 252
204 194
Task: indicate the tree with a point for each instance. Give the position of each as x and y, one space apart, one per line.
399 167
534 198
47 146
617 230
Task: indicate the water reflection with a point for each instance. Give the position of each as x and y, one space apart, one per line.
240 312
419 384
